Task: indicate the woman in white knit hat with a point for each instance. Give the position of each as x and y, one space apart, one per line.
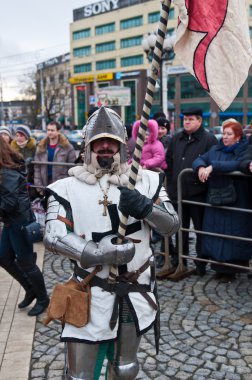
6 134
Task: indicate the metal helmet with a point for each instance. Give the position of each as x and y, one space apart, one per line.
105 123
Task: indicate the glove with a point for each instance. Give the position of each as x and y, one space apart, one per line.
107 252
134 203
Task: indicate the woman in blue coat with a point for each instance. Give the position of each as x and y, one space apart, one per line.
225 157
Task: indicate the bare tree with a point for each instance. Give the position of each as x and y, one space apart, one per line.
29 88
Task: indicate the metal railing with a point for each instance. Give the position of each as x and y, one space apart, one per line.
181 268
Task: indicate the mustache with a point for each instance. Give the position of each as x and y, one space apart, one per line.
106 151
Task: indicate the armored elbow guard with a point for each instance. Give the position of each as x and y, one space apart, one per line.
163 219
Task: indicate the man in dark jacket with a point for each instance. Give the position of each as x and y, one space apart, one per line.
183 149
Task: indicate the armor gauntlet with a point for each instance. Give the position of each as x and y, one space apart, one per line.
164 219
90 254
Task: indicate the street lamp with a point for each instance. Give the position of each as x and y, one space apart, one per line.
148 44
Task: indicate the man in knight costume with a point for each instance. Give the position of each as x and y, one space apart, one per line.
90 202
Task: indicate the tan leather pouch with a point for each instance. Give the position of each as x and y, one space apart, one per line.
70 302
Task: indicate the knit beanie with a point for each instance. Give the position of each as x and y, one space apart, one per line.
163 122
6 130
24 130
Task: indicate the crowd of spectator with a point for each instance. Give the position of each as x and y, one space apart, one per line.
192 147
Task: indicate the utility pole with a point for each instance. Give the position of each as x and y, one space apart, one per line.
42 101
164 87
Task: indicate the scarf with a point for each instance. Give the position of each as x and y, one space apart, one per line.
230 148
90 173
23 144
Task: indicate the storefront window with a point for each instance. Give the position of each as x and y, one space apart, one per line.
190 88
81 104
130 111
234 111
171 87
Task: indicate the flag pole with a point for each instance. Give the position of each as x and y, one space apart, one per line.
155 65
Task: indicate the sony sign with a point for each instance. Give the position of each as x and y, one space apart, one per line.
101 7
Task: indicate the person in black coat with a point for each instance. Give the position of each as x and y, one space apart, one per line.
225 158
183 148
16 253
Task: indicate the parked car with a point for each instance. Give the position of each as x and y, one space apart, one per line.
38 134
75 138
217 131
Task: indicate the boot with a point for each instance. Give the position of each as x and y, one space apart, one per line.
38 286
39 307
29 297
15 271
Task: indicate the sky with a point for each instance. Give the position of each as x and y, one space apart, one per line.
32 31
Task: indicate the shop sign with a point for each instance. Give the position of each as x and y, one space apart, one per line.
80 88
90 78
91 99
104 76
54 61
114 96
102 7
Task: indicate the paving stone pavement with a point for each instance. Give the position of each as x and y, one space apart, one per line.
206 331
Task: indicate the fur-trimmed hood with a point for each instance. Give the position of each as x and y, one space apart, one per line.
153 129
42 146
31 144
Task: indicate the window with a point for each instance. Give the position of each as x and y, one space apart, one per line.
132 41
190 88
84 33
83 51
132 61
131 22
250 32
171 87
105 46
130 111
235 110
103 29
153 17
108 64
85 67
250 11
61 77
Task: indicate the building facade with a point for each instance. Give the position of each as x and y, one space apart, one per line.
55 90
18 112
106 50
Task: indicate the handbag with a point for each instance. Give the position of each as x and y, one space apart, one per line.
222 195
70 302
33 232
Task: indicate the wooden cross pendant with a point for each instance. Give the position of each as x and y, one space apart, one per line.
105 204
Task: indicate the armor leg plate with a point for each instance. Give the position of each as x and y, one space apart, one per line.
125 365
81 361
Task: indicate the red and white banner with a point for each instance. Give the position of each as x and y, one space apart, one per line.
213 43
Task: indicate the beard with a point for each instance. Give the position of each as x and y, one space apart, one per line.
105 162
